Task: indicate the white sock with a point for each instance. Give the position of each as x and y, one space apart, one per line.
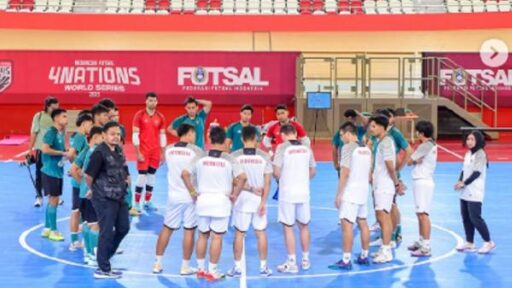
346 257
185 263
364 253
263 264
305 255
292 259
200 264
386 248
212 267
426 243
158 258
238 264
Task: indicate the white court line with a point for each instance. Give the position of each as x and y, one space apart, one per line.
456 155
243 277
22 240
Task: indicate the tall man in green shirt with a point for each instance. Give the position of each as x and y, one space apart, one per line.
234 133
194 117
41 121
54 154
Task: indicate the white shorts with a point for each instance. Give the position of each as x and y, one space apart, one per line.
179 213
242 221
291 212
351 211
423 190
383 201
218 225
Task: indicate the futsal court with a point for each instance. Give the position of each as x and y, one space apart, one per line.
28 260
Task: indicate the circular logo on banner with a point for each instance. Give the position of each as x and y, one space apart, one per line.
200 75
494 52
458 77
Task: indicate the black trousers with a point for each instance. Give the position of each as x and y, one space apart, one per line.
472 219
39 181
114 225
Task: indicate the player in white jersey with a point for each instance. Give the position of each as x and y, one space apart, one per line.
180 206
220 179
424 161
385 184
294 165
251 205
352 196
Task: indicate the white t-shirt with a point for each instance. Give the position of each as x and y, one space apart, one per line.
215 172
382 182
427 152
294 159
256 165
475 191
358 159
178 156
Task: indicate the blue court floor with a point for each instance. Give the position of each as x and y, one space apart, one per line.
27 260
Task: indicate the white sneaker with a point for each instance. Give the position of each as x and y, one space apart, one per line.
157 268
487 247
383 257
306 264
375 227
184 271
38 202
75 246
392 244
288 267
377 242
466 247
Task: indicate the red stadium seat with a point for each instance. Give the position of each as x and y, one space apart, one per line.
305 7
356 7
318 7
150 4
164 5
343 7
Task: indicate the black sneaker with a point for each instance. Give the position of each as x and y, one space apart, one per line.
99 274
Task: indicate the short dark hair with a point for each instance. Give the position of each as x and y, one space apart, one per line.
94 131
288 129
98 109
280 107
249 133
380 120
49 101
107 102
150 95
247 107
57 112
426 128
350 113
83 118
348 127
191 100
217 135
110 124
384 112
84 112
391 111
184 128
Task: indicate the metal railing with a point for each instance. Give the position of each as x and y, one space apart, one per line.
400 76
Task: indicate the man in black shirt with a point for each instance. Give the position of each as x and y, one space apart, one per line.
108 178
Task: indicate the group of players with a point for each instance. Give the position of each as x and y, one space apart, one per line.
231 181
